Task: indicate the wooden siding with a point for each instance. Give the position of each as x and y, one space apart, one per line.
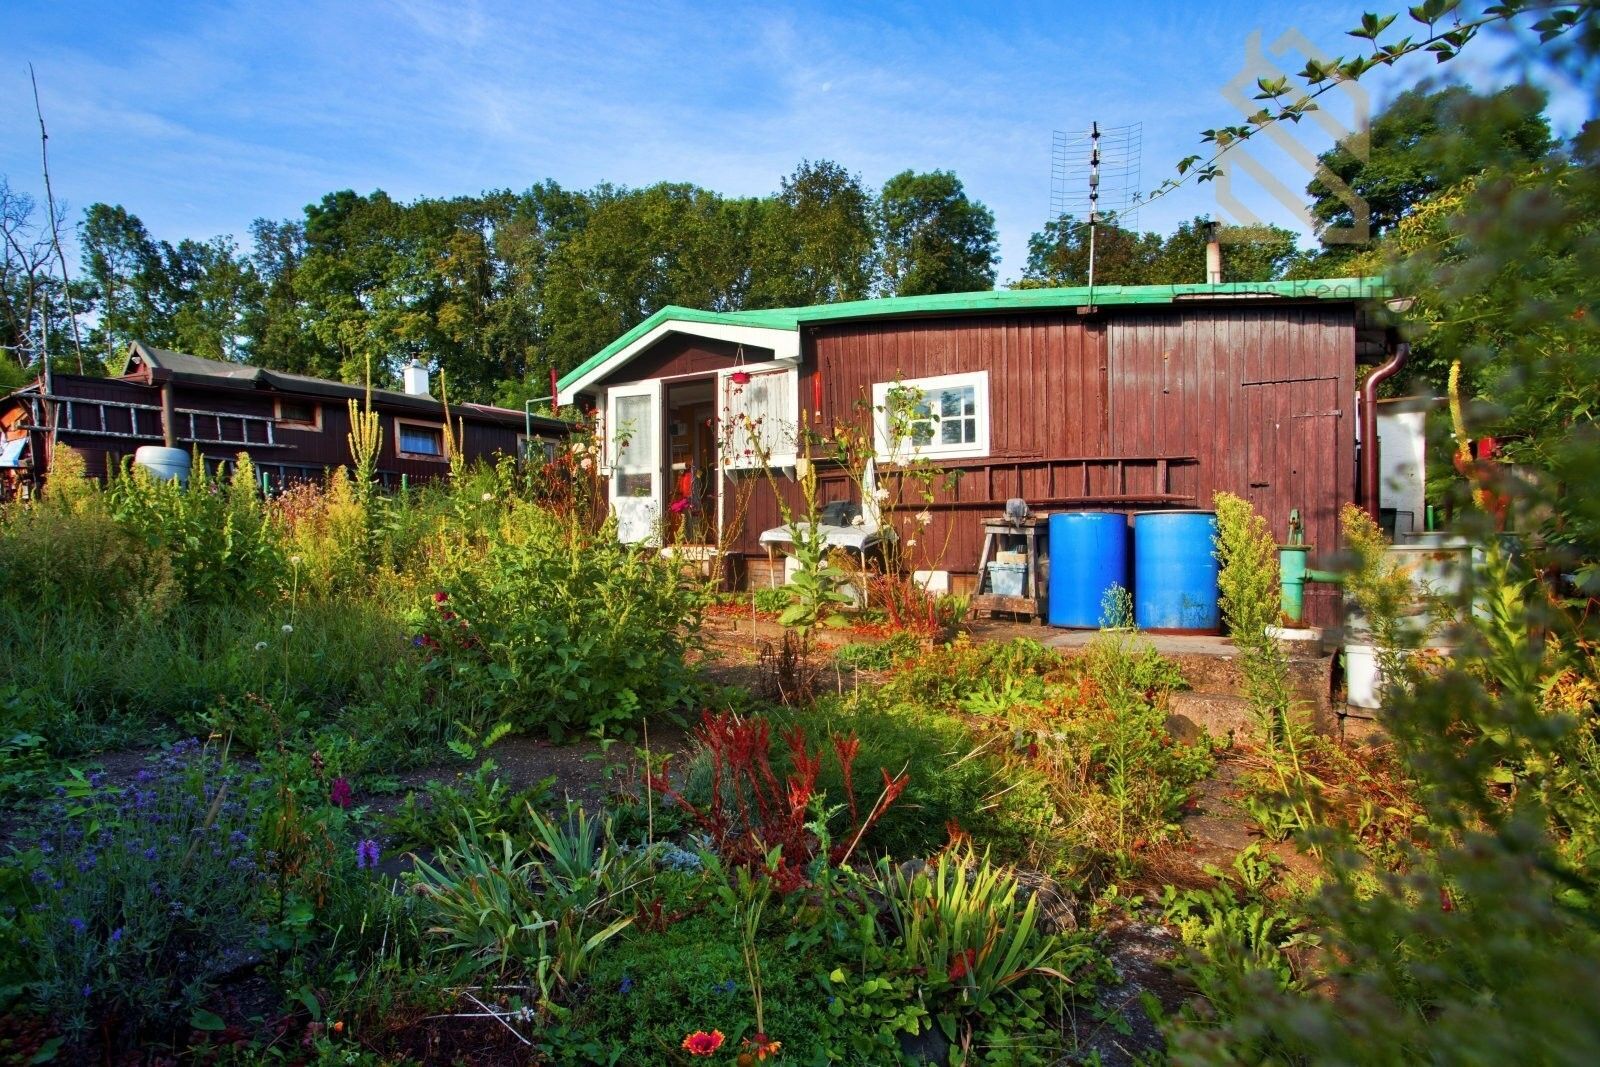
1264 398
678 355
1129 409
1135 411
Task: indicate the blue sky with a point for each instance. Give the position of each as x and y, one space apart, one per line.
201 117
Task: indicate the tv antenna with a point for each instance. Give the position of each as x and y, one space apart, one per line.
1112 154
1093 173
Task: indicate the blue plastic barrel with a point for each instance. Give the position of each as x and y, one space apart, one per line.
1088 555
1175 571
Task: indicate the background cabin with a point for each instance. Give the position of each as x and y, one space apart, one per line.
294 427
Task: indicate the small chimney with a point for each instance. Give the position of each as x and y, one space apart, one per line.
416 379
1213 255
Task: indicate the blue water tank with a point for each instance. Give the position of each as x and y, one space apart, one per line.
1088 555
1175 571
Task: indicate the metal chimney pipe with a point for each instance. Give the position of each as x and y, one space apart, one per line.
1369 425
1213 255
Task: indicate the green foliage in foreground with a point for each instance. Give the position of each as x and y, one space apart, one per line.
143 607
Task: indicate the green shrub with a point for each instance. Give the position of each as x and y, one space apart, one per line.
771 599
879 656
558 631
652 988
960 780
988 968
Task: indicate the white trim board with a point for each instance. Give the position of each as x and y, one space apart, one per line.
785 345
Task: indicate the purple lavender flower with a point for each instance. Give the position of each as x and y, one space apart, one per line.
367 854
626 985
116 935
77 924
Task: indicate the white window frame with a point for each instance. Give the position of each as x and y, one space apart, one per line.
786 454
936 449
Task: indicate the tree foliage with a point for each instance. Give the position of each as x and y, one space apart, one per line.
493 290
935 239
1059 253
1401 159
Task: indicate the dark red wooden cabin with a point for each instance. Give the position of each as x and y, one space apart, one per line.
292 426
1125 398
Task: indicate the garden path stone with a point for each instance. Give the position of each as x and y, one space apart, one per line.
1141 953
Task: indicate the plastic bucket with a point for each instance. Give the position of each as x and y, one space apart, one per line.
1175 571
1005 579
1088 556
1364 680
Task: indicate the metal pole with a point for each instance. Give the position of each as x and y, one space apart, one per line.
1094 198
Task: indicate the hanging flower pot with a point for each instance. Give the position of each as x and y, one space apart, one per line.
740 377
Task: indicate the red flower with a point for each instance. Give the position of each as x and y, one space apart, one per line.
340 794
1446 901
962 965
440 597
701 1043
758 1048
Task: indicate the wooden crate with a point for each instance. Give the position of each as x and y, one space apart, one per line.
763 573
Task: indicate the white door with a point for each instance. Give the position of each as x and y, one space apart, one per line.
633 445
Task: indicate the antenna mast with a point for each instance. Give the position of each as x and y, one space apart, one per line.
1095 176
1094 198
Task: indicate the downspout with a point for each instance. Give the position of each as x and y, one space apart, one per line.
1369 425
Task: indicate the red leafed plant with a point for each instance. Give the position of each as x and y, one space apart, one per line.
752 811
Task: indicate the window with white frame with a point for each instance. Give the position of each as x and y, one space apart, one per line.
944 417
760 417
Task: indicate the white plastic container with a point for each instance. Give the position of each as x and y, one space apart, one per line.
1005 579
1364 680
164 464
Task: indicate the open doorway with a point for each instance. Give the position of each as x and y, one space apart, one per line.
691 417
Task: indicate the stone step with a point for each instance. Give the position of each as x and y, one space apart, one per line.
1219 714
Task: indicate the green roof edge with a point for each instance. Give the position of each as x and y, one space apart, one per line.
1367 288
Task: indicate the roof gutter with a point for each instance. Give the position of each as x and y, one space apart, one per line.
1369 424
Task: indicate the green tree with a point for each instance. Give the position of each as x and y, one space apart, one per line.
935 239
213 290
1059 254
1424 142
126 270
640 250
278 324
1249 253
814 241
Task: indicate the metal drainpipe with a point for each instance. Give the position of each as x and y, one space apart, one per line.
1369 425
